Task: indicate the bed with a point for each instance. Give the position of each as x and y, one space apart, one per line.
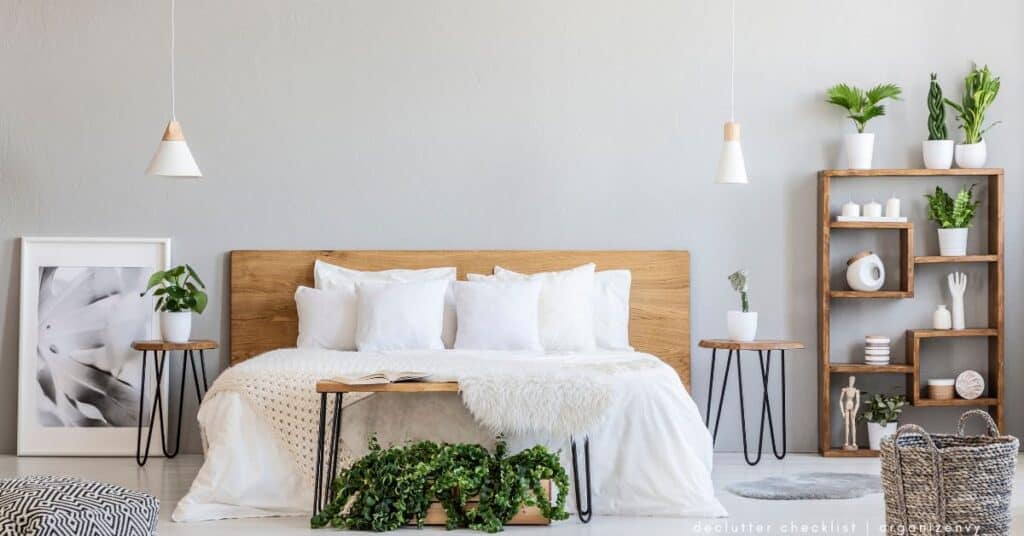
651 453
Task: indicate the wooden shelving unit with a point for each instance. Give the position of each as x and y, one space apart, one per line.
994 332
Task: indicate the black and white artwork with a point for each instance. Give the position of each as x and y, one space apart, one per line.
86 371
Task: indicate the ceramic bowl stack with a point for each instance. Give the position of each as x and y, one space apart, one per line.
876 350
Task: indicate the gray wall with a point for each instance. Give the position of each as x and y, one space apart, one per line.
469 124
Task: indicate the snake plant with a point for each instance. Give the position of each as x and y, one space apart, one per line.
936 111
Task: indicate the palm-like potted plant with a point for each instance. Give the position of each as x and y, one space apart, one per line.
179 292
882 413
953 216
741 325
861 106
938 148
980 90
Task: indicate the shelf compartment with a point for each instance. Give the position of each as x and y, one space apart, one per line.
863 368
958 172
878 294
838 452
870 225
937 259
956 402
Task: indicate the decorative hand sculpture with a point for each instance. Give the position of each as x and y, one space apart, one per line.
957 285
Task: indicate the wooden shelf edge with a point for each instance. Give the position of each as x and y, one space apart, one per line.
876 295
956 402
861 368
911 172
946 333
859 453
870 225
937 259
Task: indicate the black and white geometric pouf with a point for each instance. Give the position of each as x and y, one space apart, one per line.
65 506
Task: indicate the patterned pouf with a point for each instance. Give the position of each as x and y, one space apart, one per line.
65 506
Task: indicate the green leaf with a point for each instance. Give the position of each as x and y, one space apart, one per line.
154 280
195 276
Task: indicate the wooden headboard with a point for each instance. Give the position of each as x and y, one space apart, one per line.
263 283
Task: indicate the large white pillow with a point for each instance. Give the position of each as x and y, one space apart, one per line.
497 315
327 318
611 309
400 316
330 276
566 313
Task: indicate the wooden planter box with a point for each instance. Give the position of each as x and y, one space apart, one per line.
528 515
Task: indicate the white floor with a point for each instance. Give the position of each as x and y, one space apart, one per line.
170 479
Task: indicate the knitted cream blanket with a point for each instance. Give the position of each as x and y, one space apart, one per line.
506 392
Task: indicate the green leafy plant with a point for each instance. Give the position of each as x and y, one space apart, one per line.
861 105
882 409
949 213
390 487
936 111
738 279
980 90
178 290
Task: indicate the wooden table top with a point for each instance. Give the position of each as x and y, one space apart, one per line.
331 386
725 344
202 344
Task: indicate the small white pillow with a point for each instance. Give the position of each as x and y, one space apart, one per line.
497 315
611 309
400 316
566 313
330 276
327 318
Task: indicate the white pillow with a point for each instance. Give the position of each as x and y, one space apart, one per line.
330 276
566 313
611 309
497 315
400 316
327 318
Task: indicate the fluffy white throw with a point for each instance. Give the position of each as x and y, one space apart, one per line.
509 393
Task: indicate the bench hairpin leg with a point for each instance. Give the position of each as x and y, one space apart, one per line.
583 513
318 480
332 448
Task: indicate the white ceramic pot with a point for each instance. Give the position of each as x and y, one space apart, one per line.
176 327
859 148
942 318
953 242
972 155
876 432
741 326
938 154
865 272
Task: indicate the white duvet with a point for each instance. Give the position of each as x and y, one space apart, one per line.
650 452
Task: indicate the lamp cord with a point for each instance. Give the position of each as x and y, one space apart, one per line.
173 117
732 63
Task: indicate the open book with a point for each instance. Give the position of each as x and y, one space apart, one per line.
383 376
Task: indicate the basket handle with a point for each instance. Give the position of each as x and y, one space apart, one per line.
993 430
901 500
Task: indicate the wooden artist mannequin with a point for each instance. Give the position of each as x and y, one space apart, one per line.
849 404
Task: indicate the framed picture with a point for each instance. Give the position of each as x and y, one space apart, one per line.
79 379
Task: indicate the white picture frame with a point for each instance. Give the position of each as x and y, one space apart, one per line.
70 400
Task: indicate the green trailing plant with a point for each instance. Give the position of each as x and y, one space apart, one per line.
936 111
178 290
862 106
479 490
738 279
980 90
882 409
950 213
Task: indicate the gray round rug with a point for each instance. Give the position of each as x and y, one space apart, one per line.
808 486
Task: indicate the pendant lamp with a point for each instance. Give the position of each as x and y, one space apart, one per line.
731 169
173 158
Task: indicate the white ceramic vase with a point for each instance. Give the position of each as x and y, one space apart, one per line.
176 327
859 148
953 242
971 155
876 432
865 272
942 318
741 326
938 154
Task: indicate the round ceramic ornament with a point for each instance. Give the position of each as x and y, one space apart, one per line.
969 384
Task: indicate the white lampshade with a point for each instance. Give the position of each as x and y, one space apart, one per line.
173 158
731 169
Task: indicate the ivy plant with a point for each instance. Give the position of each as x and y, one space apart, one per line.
479 490
950 213
883 409
178 290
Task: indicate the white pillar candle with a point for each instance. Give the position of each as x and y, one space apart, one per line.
873 210
851 209
892 208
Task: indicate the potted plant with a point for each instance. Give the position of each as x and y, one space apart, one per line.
938 148
881 413
741 325
862 106
179 292
953 216
980 90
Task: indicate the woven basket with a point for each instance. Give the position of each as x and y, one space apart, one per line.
946 483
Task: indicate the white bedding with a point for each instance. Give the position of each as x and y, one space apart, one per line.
650 454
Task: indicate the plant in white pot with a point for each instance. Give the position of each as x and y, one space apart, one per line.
953 216
980 90
179 292
882 413
938 148
741 325
861 106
